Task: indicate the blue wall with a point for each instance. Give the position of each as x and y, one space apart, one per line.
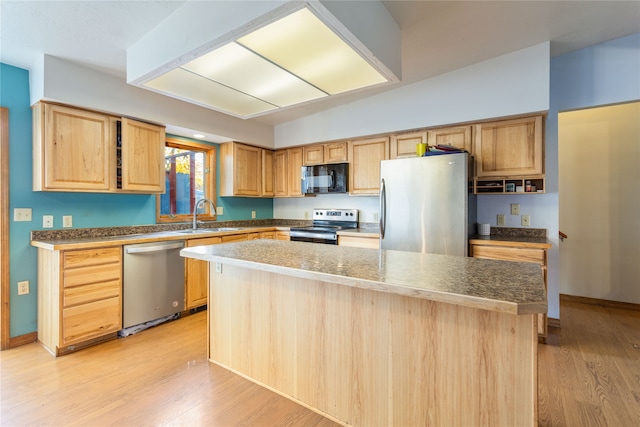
87 209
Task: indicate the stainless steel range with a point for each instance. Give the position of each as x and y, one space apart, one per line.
326 224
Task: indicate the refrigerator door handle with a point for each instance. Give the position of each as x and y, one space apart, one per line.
383 208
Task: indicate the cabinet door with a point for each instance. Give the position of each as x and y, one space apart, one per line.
405 145
509 147
294 161
313 155
267 174
456 136
197 275
267 234
335 152
142 157
71 150
282 235
280 175
247 166
366 155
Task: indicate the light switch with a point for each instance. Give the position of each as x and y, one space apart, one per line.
526 221
220 210
47 221
67 221
515 208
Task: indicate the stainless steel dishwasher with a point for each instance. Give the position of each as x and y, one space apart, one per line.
153 283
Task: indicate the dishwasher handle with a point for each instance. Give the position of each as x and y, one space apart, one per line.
155 248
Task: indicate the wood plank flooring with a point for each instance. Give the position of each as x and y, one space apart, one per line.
589 371
589 376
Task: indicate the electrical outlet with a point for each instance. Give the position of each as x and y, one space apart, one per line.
23 287
515 208
253 214
47 221
67 221
375 217
21 214
220 210
501 220
218 267
306 215
526 221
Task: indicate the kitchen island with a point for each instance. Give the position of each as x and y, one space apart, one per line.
378 337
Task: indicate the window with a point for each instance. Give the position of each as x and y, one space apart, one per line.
189 177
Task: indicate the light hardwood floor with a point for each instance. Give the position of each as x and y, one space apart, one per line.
589 376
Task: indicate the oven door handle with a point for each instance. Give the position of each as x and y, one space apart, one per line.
383 208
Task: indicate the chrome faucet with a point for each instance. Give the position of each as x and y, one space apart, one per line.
195 210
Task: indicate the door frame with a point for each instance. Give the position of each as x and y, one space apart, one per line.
4 231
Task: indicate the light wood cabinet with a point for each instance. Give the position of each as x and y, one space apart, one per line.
280 174
359 241
288 172
455 136
79 297
366 155
282 235
294 162
240 170
81 150
197 275
335 152
514 251
509 148
268 235
404 145
267 173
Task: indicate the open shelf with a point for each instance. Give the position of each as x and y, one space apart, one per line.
511 185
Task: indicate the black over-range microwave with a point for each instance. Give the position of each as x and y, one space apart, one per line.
321 179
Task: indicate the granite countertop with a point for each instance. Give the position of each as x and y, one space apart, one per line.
83 241
504 286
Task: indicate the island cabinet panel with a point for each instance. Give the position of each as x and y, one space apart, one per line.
371 358
359 242
79 297
197 275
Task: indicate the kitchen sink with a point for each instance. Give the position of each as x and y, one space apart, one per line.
206 230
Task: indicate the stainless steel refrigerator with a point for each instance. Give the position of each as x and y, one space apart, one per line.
426 204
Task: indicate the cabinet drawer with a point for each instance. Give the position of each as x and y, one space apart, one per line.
91 274
96 256
234 238
92 320
509 254
89 293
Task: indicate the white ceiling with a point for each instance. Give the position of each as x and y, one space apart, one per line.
437 36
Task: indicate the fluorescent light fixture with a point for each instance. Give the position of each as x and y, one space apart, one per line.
198 135
293 60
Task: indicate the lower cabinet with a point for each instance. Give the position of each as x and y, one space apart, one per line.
359 241
282 235
79 297
197 275
519 253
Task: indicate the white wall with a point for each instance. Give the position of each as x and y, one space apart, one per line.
297 207
515 83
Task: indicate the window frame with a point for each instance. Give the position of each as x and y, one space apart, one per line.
210 189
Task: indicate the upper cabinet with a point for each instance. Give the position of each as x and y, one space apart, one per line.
404 145
267 173
364 173
142 157
288 172
509 148
240 170
80 150
455 136
319 154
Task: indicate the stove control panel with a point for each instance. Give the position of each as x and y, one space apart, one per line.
341 215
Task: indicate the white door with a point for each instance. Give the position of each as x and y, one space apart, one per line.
599 202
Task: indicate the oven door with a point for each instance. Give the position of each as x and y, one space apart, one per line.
313 237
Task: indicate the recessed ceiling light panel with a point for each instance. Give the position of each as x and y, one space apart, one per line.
304 45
